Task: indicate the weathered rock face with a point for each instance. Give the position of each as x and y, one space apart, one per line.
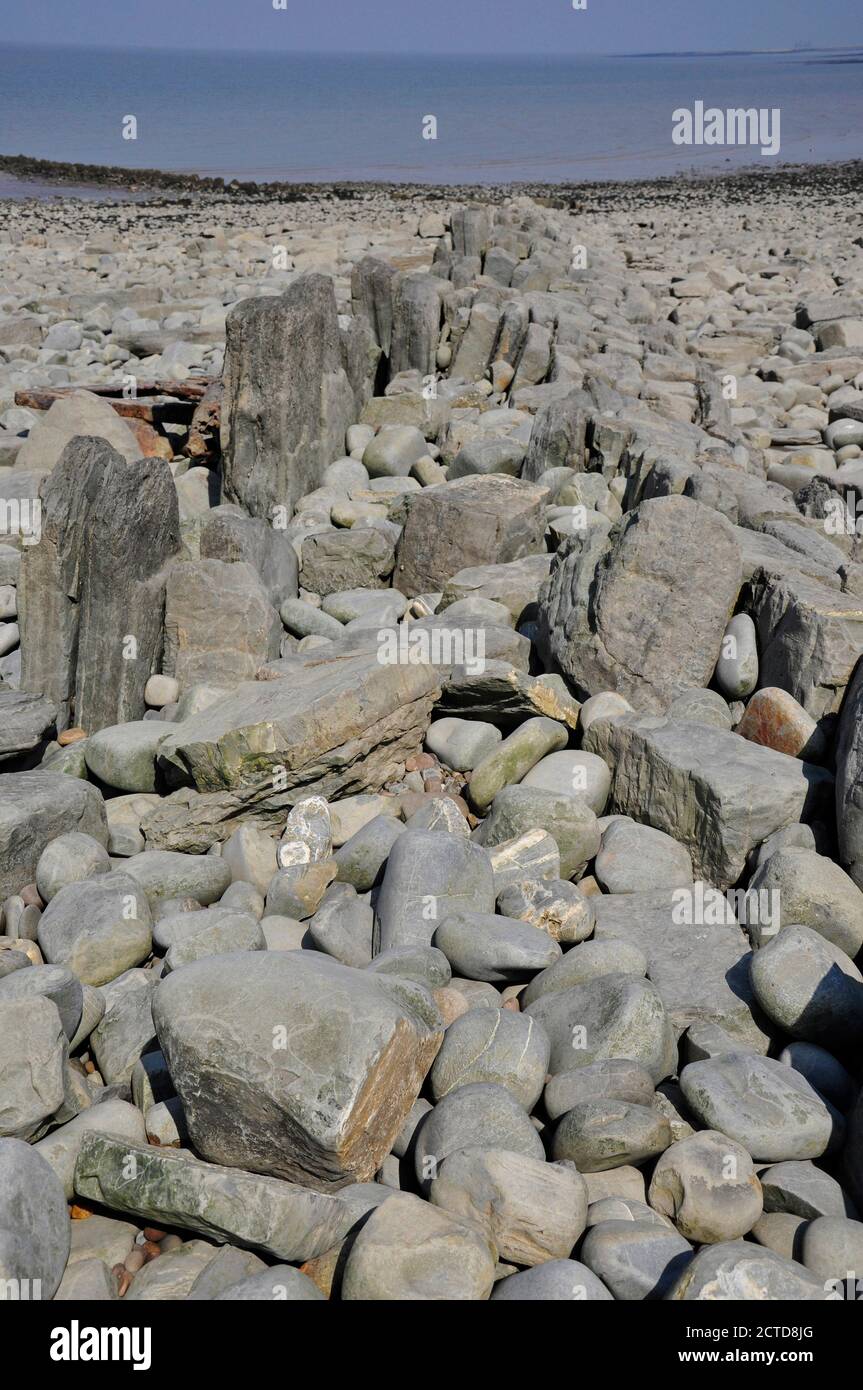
36 807
416 307
228 534
714 792
333 726
849 779
95 581
220 626
287 399
24 721
359 558
174 1189
291 1064
810 637
471 521
647 618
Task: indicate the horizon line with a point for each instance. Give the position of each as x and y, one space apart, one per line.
439 53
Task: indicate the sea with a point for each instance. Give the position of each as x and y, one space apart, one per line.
334 118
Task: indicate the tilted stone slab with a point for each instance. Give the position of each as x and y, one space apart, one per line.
24 721
174 1189
715 792
810 638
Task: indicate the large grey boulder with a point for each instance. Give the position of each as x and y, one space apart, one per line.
409 1250
467 522
291 1064
91 593
361 557
34 1049
767 1107
707 1185
716 793
534 1211
125 1030
69 417
34 1225
287 401
812 891
36 807
476 1115
229 535
636 1259
809 988
742 1272
647 620
493 1045
220 626
330 727
499 950
168 1188
609 1017
413 901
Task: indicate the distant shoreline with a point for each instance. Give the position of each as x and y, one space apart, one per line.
830 180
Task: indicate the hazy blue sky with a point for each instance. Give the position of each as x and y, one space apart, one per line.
438 26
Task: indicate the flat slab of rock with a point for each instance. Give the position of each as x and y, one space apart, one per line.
220 626
716 793
36 807
174 1189
24 721
291 1064
700 970
337 726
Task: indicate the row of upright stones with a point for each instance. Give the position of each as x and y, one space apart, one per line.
417 945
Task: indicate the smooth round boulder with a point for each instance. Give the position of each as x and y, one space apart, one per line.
809 988
590 961
624 1209
124 755
606 704
409 1250
394 451
553 1281
54 982
639 859
533 1211
573 773
707 1186
598 1135
517 810
477 1115
736 1271
70 858
635 1259
423 964
613 1016
461 744
768 1108
498 950
811 891
494 1046
613 1079
165 873
736 671
35 1234
803 1189
99 928
831 1248
511 761
160 691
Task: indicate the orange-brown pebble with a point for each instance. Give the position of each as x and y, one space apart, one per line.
135 1260
775 719
89 1067
70 736
419 761
452 1004
151 1250
589 886
154 1233
79 1213
322 1269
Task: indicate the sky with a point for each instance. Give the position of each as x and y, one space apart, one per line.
435 26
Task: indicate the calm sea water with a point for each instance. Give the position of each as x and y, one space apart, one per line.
324 117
